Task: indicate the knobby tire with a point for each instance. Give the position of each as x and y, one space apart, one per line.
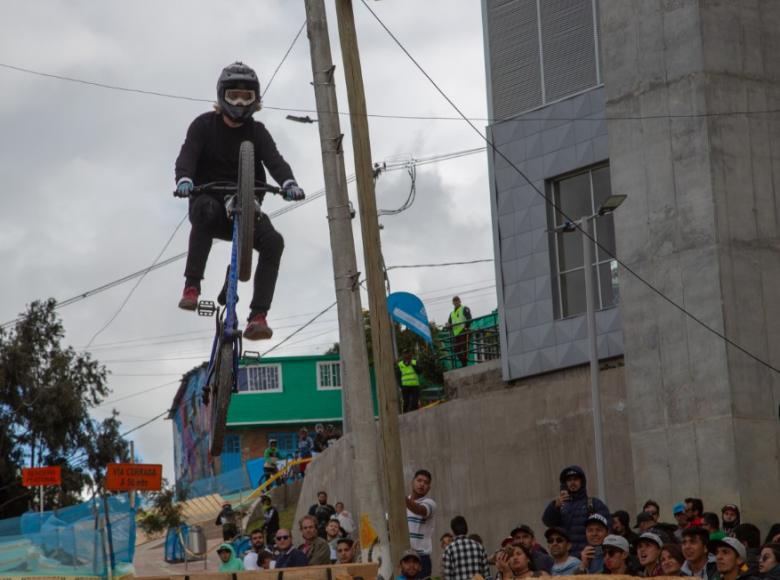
246 204
221 399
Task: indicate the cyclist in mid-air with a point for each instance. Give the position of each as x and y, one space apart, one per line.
210 153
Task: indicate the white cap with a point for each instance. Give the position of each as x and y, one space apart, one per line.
651 537
618 542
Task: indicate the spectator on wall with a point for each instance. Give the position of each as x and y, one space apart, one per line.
621 526
729 516
750 536
345 551
616 556
516 562
345 518
305 448
769 562
270 519
648 551
592 555
694 508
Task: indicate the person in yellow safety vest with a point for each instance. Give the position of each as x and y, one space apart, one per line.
459 323
410 382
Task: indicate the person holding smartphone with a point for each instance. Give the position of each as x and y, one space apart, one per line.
592 555
572 507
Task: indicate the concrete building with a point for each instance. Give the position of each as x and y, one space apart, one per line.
684 414
700 223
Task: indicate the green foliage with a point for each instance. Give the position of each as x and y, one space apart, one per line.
46 392
167 508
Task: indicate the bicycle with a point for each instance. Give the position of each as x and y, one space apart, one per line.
222 373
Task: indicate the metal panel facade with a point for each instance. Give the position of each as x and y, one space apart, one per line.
543 144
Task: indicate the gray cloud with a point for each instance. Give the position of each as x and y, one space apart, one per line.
87 172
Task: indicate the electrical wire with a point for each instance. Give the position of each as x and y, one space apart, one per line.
552 203
389 116
440 264
284 58
309 198
133 289
411 168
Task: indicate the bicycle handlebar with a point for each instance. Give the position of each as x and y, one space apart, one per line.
228 187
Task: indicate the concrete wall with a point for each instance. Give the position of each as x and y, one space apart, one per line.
701 224
495 458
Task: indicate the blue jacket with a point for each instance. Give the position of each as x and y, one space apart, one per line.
572 515
292 559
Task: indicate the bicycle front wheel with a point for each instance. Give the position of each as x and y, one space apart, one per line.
246 202
223 378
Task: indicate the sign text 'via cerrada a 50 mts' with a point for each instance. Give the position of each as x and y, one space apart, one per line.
133 477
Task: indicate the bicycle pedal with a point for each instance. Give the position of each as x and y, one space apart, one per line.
206 308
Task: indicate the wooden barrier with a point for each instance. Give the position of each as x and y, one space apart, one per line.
331 572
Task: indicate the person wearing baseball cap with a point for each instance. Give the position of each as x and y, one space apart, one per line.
411 565
730 555
648 550
681 518
616 555
592 555
644 522
559 545
524 535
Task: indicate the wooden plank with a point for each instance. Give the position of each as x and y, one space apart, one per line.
338 571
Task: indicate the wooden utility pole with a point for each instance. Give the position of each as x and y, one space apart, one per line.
381 335
356 381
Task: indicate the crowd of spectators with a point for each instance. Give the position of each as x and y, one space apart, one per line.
581 536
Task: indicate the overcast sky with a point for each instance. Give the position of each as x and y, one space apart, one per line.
87 173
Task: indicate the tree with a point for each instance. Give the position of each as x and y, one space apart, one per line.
167 510
428 363
46 393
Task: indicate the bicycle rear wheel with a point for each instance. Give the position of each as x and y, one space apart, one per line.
246 203
223 378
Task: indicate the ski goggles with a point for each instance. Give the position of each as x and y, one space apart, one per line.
240 97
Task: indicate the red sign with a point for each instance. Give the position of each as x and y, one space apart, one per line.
133 477
39 476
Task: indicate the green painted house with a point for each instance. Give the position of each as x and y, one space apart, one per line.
276 397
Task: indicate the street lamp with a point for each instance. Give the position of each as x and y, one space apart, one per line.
585 227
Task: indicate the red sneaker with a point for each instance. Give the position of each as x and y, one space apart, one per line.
189 298
258 329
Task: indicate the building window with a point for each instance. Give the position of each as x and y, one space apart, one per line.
328 375
580 195
262 379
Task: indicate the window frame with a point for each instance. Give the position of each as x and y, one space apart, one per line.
249 391
557 274
329 363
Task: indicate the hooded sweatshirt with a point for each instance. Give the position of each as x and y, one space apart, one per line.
728 527
573 514
232 565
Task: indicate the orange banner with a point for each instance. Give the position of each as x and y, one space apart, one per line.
134 477
38 476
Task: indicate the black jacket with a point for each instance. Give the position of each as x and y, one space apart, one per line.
210 151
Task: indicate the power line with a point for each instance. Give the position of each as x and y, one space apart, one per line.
309 198
284 58
135 394
440 264
389 116
152 420
552 203
133 289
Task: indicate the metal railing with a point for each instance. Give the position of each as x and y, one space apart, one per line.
480 343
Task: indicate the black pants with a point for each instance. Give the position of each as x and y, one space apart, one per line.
209 220
411 398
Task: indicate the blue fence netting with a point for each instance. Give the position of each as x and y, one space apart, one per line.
72 541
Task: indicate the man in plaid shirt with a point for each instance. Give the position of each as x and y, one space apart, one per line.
463 558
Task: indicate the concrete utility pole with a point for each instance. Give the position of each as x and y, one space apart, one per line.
381 336
356 380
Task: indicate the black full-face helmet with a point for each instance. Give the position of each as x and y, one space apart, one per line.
238 91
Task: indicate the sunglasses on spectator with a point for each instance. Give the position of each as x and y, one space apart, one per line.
765 557
282 537
557 540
